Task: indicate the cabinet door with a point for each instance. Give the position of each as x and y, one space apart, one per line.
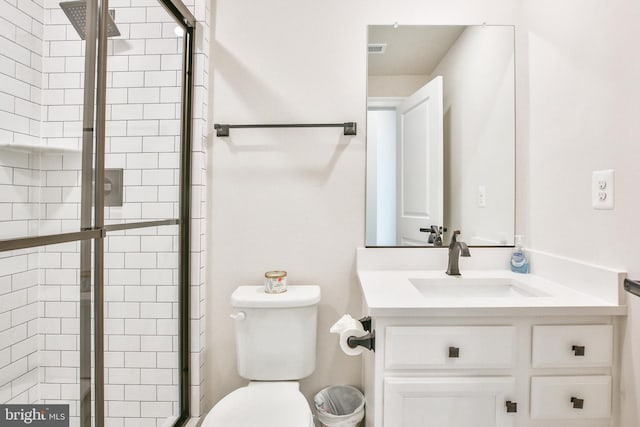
448 402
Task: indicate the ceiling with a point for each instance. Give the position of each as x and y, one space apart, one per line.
411 49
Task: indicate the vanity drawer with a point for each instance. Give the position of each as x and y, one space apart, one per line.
580 397
435 347
572 346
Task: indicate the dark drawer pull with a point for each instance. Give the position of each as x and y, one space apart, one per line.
512 406
578 350
577 403
454 352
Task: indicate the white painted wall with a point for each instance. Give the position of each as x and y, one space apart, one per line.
582 107
294 199
395 86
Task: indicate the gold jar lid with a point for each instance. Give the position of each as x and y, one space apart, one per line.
275 274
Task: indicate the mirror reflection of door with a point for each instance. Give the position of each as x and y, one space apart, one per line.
405 167
420 164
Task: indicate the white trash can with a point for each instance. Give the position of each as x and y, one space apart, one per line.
339 406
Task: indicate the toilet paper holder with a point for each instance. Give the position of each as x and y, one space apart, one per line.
367 341
366 323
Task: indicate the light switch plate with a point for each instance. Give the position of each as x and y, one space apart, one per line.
482 196
602 189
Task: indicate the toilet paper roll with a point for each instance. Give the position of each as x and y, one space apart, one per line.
345 322
344 336
347 327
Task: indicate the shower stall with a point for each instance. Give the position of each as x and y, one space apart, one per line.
95 199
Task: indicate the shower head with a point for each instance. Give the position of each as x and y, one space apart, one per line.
76 11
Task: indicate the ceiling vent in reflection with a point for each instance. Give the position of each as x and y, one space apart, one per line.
76 11
376 47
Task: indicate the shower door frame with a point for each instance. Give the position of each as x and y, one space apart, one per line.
94 229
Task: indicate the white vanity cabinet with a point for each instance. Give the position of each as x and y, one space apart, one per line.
490 348
505 371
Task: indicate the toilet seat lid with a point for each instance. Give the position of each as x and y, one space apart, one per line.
264 404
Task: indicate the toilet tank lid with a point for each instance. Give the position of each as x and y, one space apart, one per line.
295 296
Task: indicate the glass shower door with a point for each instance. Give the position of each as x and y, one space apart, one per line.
47 279
94 211
146 153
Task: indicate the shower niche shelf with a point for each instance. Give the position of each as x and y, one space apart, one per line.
38 149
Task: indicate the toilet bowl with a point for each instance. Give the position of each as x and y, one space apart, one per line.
262 404
275 347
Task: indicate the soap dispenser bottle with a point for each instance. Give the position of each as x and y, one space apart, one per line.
519 262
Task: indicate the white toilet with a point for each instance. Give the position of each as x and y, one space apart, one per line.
276 346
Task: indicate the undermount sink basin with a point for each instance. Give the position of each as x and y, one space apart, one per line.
456 287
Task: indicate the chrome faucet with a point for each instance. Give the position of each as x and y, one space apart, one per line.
456 250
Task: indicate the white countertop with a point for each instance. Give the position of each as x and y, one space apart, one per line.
390 293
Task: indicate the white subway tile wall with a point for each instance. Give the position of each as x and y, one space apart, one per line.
136 312
19 309
41 96
59 299
19 327
21 35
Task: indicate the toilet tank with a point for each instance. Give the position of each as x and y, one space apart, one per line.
275 333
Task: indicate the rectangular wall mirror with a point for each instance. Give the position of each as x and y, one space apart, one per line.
440 135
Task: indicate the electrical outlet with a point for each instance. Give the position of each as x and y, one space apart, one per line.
602 189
